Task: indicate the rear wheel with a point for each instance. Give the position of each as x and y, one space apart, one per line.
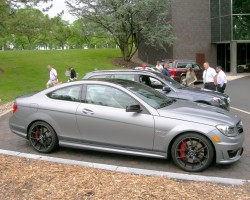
43 137
192 152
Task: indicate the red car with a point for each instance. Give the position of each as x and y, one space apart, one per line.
177 69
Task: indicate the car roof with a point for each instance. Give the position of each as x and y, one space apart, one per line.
132 71
178 60
122 71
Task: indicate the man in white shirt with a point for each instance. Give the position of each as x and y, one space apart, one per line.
53 79
209 77
221 80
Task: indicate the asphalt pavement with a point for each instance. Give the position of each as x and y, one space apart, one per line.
237 89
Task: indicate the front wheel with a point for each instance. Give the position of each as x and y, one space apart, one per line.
42 137
192 152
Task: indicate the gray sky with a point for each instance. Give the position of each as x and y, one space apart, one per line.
58 6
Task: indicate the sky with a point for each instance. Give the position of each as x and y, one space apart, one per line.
58 6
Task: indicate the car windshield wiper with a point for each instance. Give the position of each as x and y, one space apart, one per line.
167 103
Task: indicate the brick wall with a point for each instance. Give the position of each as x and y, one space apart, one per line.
192 29
192 32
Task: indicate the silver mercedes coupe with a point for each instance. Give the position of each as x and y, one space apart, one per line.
121 116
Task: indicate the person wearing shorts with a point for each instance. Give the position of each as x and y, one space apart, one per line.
53 78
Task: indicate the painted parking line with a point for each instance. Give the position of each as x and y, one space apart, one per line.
129 170
240 110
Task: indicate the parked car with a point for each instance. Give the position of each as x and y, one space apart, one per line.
177 69
174 89
243 68
121 116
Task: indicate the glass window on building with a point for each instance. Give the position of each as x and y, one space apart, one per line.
241 19
241 6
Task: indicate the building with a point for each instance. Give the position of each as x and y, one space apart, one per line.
217 31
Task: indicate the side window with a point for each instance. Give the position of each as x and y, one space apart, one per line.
124 76
155 83
145 80
67 94
107 96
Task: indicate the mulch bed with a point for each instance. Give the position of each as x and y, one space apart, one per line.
123 64
23 178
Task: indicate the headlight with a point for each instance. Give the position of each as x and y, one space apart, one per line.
228 100
227 130
218 100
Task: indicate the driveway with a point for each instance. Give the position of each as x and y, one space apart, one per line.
238 170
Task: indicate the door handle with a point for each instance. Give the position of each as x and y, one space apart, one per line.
87 111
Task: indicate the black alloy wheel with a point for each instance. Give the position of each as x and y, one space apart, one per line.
42 137
192 152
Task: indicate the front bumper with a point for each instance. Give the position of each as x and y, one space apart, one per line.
229 149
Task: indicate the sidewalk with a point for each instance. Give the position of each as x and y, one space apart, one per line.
231 77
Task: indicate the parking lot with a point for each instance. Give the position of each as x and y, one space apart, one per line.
240 99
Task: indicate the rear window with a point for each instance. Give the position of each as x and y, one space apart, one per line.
181 65
71 93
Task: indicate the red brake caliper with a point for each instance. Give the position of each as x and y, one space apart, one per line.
182 150
37 134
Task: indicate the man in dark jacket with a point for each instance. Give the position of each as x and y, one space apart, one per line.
73 75
165 70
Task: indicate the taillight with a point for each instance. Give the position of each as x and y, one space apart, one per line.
15 107
173 72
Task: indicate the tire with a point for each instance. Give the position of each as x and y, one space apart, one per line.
42 137
192 152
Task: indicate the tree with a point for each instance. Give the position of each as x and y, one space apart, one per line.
61 31
87 34
5 12
129 21
28 22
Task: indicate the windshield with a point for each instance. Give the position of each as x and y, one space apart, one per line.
149 95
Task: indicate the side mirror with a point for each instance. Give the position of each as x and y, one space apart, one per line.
133 108
166 89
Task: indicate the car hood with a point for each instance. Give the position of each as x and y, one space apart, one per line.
199 113
203 91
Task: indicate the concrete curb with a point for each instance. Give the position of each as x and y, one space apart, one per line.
5 114
127 169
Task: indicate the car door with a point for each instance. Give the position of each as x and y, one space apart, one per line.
103 119
61 107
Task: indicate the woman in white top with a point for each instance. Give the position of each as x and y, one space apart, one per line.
159 66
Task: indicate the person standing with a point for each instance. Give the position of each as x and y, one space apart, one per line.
165 69
159 66
221 80
53 78
143 66
209 77
73 75
190 76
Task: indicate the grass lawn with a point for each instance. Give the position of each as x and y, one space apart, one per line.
26 71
